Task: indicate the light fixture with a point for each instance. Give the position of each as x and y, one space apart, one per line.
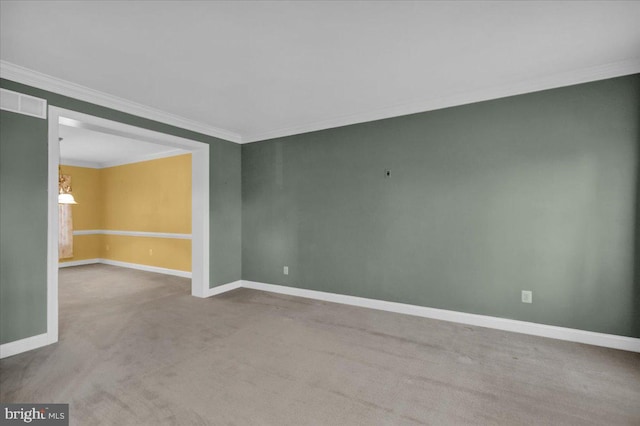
64 189
66 199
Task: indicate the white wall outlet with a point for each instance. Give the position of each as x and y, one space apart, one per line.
527 296
286 270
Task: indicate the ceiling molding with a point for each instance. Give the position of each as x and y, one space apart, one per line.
569 78
80 163
36 79
122 161
141 158
33 78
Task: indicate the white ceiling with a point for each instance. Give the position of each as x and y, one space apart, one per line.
254 70
88 148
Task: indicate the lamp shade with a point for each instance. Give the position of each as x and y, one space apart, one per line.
66 198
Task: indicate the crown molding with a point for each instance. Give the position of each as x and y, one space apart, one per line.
122 161
568 78
141 158
584 75
42 81
80 163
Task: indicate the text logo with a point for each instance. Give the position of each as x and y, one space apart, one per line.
34 414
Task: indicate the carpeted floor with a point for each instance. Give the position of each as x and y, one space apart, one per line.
135 348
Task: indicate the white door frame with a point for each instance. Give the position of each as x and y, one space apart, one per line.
199 206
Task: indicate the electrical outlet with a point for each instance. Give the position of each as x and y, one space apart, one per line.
286 270
527 296
150 252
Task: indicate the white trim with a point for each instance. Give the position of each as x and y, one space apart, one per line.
200 234
80 163
33 78
142 158
568 78
26 344
543 330
223 288
199 207
52 224
80 120
42 81
132 233
123 161
35 342
78 263
140 267
88 232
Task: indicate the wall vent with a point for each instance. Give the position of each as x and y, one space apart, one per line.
23 104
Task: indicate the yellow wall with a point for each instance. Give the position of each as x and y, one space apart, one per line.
85 247
149 196
163 252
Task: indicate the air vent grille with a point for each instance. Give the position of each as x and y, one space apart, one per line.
23 104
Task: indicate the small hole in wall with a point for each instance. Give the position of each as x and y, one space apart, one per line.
387 173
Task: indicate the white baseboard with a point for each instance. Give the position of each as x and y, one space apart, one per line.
223 288
26 344
157 269
562 333
147 268
535 329
34 342
78 263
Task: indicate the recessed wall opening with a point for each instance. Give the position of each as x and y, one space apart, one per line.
142 203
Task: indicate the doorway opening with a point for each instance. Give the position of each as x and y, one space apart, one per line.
62 121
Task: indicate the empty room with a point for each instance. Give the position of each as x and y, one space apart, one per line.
320 212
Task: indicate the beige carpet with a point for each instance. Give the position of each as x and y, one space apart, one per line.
136 348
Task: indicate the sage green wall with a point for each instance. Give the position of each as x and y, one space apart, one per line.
23 222
533 192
